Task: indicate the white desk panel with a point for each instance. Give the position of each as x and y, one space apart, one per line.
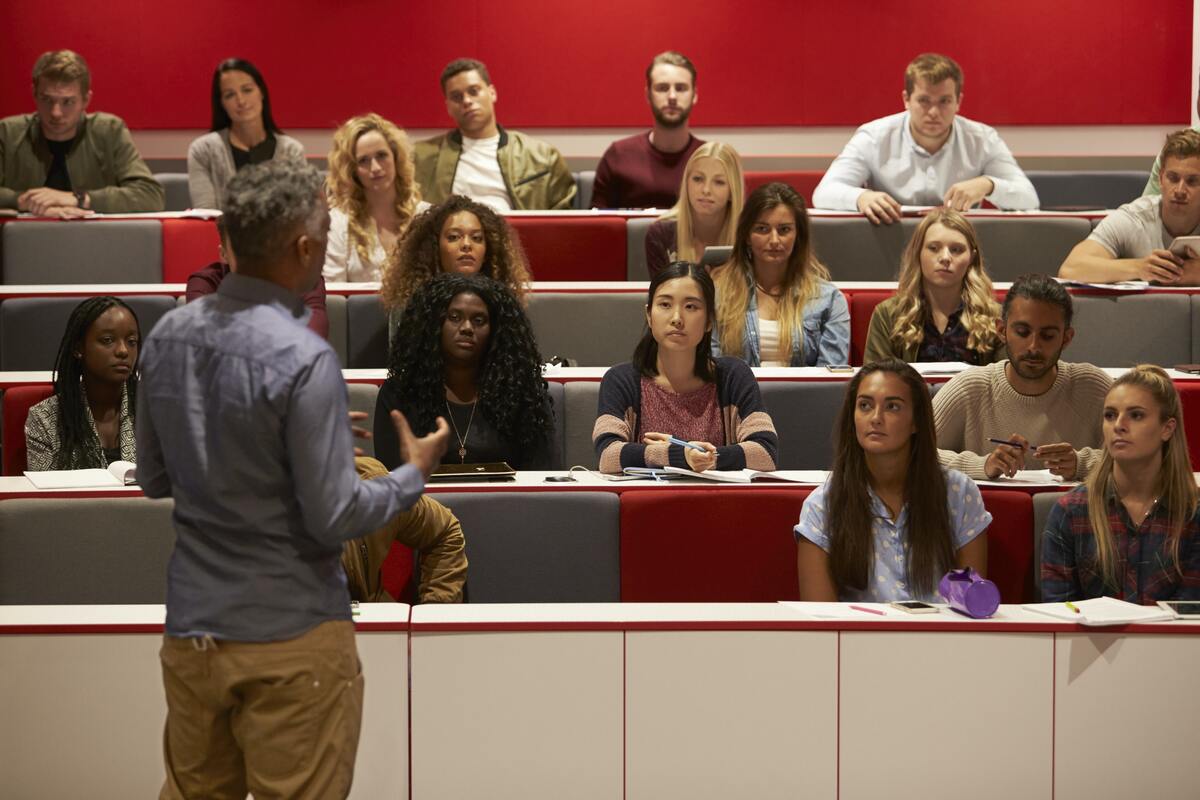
517 715
1127 716
946 715
766 733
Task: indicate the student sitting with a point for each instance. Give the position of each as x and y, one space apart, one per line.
674 387
890 521
243 132
1132 531
372 197
205 281
458 235
464 350
944 308
775 304
89 420
706 213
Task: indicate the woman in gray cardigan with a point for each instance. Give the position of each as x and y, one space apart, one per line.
243 132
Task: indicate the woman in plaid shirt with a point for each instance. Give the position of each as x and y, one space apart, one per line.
1132 531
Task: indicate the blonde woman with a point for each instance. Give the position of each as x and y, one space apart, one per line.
372 197
706 214
1132 531
944 309
776 306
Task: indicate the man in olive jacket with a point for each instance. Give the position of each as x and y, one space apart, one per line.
505 169
62 161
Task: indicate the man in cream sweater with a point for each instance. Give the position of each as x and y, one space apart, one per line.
1049 410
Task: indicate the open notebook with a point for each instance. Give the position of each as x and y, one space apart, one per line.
749 475
1101 611
119 473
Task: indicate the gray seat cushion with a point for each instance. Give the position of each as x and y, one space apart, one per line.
582 399
856 250
596 329
635 248
584 181
1088 188
804 415
84 551
335 312
366 332
1013 247
540 547
175 187
95 251
361 397
31 328
1123 330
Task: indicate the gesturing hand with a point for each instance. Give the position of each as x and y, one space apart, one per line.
425 452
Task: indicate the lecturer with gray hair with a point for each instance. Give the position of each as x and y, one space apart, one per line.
242 420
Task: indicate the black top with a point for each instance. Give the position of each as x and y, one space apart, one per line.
57 177
263 151
480 438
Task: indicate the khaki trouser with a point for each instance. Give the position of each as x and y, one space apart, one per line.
278 719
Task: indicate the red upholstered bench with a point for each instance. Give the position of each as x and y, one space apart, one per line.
188 245
706 545
569 248
15 408
803 181
1011 559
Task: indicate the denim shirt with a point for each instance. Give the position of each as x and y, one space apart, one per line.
826 337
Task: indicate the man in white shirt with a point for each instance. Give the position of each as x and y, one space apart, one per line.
480 159
1133 243
926 155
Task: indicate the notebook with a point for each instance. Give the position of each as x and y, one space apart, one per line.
119 473
1101 611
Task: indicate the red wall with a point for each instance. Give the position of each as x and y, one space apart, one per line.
564 64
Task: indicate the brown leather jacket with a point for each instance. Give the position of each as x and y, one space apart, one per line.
429 528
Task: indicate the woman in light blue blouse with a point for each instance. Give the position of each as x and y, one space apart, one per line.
775 304
889 522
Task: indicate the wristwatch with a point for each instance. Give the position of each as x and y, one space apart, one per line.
80 197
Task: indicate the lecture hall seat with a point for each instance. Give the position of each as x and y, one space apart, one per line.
15 409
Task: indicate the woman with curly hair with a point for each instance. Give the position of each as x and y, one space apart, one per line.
372 197
776 306
458 235
465 350
943 309
89 420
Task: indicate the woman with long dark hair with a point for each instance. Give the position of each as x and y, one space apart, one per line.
1132 531
243 132
464 350
89 420
457 235
776 306
889 522
675 388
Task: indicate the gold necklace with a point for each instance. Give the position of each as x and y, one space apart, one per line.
462 440
776 294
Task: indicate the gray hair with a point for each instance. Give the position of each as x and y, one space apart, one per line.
265 202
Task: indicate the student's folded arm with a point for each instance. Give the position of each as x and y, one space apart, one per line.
1086 458
950 408
135 189
1093 262
1011 188
812 566
842 183
973 554
433 531
561 192
612 435
40 442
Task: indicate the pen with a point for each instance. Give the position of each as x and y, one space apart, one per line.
1072 606
1011 443
682 443
869 610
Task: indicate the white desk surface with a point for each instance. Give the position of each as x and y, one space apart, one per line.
124 618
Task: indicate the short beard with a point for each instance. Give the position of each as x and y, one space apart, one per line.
672 124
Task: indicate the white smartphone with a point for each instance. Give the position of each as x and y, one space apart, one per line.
1183 609
1182 244
914 607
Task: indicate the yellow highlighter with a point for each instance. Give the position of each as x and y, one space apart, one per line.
1072 606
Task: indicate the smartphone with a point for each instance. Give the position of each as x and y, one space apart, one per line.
1182 244
717 255
1191 369
914 607
839 368
560 479
1183 609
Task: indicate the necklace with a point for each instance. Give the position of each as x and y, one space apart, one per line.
759 286
462 440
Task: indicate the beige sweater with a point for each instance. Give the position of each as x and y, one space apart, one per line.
980 404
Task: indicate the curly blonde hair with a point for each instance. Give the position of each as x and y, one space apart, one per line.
980 309
347 194
418 257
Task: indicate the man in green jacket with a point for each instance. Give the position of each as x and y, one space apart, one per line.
504 169
62 161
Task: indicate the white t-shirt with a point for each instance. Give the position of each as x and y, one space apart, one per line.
768 342
342 263
1135 229
478 174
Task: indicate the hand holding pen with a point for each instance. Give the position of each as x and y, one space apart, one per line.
1009 456
700 455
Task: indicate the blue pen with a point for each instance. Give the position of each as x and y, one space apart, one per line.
681 442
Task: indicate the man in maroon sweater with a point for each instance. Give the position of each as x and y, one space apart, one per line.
206 280
644 171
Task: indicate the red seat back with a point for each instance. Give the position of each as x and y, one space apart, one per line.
862 304
15 408
573 248
1011 559
1189 398
803 181
188 245
707 545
